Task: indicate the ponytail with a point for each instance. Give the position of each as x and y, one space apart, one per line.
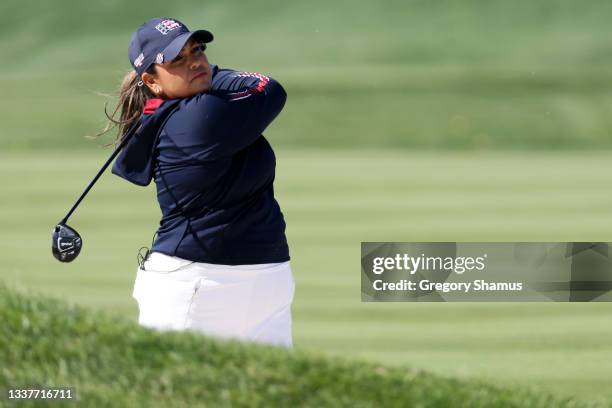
133 95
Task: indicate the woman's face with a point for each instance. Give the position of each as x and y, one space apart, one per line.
186 75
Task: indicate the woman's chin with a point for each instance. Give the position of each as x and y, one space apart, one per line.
201 85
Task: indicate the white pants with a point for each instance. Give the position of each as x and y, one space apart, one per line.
248 302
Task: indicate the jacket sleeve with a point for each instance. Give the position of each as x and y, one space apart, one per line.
228 80
231 116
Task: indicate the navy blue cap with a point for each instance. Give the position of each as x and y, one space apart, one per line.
159 40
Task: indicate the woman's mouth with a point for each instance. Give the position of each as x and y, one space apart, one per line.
200 75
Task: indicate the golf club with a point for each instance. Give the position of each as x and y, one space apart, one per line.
66 242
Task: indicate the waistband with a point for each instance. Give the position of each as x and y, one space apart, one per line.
159 262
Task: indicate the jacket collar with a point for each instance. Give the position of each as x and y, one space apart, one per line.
151 105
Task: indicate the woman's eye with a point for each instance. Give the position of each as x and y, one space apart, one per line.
197 50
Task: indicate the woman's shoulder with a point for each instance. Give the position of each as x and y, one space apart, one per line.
198 98
195 112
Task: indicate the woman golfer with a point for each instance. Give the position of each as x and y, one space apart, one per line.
220 260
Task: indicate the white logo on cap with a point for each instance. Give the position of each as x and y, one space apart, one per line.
166 26
138 61
160 58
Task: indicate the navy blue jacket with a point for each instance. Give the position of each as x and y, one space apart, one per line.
214 171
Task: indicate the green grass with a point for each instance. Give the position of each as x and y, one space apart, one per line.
402 74
426 107
333 200
112 362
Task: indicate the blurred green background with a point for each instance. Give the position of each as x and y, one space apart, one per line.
406 121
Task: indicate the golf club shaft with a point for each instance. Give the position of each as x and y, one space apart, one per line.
124 141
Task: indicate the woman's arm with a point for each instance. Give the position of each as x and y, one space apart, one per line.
229 80
230 117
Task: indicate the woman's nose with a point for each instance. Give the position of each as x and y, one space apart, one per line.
196 62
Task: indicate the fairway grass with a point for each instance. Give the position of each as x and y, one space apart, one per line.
333 200
392 74
111 362
408 106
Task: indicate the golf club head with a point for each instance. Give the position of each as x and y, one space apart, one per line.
66 243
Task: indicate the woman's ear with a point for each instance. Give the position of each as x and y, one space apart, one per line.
151 82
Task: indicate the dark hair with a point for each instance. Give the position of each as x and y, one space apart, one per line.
133 95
